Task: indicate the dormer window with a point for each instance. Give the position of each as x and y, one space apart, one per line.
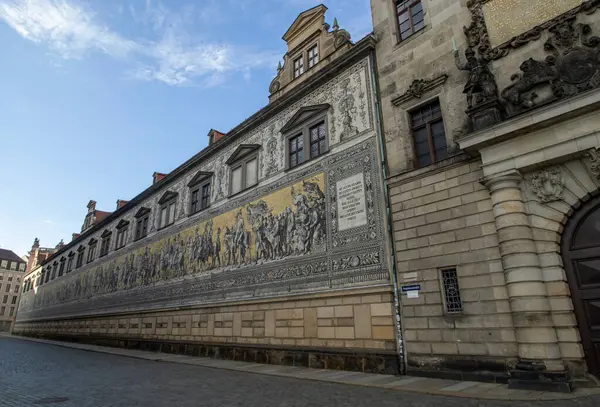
313 56
70 262
298 66
105 246
244 168
168 204
80 252
306 135
91 250
141 225
122 228
200 191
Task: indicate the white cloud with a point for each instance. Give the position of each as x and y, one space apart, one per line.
47 221
174 57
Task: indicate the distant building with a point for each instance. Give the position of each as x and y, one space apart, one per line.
12 270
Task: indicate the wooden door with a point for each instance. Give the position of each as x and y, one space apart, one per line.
581 255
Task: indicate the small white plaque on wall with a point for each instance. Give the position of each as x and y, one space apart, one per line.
352 210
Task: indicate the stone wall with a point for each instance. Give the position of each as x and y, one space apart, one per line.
356 322
443 218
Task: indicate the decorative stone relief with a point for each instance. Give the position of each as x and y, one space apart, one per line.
593 161
547 184
477 32
571 68
419 87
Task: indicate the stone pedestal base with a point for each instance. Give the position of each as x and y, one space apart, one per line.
533 376
485 114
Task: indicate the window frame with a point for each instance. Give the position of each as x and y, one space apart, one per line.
80 257
242 162
458 307
105 244
121 235
61 270
141 224
91 251
316 56
409 7
300 68
196 186
303 128
167 206
430 141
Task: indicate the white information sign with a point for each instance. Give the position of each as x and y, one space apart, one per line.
352 211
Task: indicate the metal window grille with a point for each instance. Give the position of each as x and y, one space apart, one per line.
451 291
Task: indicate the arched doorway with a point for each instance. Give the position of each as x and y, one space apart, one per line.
581 255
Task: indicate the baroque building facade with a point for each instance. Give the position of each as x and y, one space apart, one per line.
269 245
12 270
490 118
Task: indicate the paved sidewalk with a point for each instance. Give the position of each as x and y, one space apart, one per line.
439 387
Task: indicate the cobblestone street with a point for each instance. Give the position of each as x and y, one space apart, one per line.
34 374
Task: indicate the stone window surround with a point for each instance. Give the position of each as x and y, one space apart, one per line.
80 254
121 240
70 262
168 199
304 129
197 184
91 252
407 117
142 215
61 270
242 162
303 54
394 26
105 246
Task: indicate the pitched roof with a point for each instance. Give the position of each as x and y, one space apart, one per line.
10 255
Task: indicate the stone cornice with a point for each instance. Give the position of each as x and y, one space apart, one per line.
360 50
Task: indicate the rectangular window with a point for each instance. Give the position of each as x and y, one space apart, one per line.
54 271
7 288
70 263
14 300
195 201
429 136
251 172
141 227
317 140
80 258
61 270
410 17
10 278
296 150
121 237
91 253
16 289
236 180
313 56
451 291
167 214
12 311
205 196
104 248
5 299
2 311
298 66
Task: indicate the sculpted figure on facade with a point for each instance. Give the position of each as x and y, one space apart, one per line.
547 184
481 85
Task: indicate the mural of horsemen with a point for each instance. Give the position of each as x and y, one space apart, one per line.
289 222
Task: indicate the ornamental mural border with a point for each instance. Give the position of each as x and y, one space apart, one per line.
477 33
314 272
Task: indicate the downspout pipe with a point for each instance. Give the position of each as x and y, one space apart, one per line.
398 319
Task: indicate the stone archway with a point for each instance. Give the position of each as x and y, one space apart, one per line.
580 247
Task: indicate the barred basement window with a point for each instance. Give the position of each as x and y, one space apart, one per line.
451 291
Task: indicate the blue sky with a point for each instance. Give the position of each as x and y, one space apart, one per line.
96 95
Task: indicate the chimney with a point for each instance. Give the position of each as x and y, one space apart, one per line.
214 136
75 236
157 176
121 203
